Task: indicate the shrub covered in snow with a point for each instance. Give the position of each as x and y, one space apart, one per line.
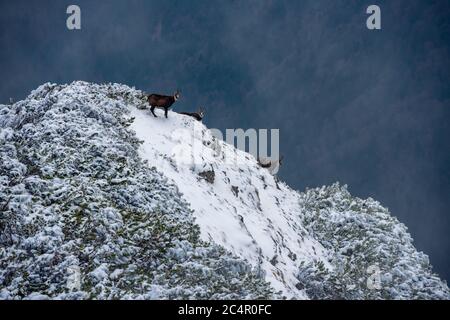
83 217
371 252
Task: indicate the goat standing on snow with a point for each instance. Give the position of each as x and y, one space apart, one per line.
272 165
163 102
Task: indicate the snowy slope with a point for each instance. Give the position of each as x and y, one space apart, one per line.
258 220
82 217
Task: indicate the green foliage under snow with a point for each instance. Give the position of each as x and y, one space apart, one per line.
370 252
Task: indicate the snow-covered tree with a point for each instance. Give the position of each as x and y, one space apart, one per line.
365 243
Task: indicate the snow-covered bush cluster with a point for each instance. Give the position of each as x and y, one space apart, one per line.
371 252
83 217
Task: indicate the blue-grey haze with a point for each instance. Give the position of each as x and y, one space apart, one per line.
370 109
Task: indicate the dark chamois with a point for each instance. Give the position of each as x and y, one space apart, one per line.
271 165
196 115
163 102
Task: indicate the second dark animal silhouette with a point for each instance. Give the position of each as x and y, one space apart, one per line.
272 165
161 101
196 115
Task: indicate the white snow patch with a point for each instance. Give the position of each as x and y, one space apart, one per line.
257 221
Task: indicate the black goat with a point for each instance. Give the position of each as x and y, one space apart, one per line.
163 102
196 115
271 165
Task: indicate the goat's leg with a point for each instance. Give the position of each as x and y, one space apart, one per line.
165 111
152 109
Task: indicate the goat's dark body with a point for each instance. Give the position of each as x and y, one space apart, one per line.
270 163
160 101
194 115
264 165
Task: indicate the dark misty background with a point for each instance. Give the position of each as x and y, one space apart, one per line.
370 109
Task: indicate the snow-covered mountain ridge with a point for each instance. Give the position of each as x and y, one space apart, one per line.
146 207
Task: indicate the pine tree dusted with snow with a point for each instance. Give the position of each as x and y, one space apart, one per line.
83 217
97 203
371 253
